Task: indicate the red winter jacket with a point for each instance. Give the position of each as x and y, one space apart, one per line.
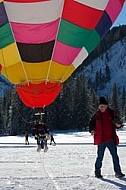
96 124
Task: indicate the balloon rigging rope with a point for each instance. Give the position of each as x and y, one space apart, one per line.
47 77
7 76
18 110
65 73
4 64
12 93
48 175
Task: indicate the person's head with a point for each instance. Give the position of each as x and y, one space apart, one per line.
103 104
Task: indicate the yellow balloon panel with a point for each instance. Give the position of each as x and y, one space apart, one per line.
15 73
36 71
47 71
9 55
23 72
60 72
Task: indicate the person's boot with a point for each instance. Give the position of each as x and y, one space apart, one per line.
98 175
45 148
119 175
39 148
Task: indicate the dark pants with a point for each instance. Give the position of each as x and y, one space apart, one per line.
52 140
100 154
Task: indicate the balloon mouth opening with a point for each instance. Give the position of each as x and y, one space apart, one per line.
38 95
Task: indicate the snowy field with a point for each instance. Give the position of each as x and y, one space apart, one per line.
67 166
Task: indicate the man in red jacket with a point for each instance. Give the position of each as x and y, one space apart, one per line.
102 127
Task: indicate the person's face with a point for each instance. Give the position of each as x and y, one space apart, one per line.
102 107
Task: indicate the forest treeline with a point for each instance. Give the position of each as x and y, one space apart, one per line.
72 108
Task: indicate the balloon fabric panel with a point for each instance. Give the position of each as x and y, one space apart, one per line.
26 1
34 95
36 52
37 12
103 25
62 53
8 61
22 31
99 5
114 8
6 36
3 16
77 13
69 36
37 73
110 14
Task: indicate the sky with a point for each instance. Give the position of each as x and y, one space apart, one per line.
122 17
67 166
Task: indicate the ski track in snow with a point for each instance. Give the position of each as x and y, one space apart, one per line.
64 167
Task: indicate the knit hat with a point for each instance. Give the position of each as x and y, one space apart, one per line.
102 100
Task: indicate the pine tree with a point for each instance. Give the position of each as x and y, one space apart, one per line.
7 113
123 105
52 115
107 73
97 79
83 104
115 99
1 116
101 79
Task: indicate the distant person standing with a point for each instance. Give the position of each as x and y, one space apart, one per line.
26 138
102 127
52 140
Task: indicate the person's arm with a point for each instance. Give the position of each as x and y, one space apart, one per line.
117 120
47 128
92 124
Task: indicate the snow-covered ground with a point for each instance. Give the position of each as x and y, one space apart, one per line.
67 166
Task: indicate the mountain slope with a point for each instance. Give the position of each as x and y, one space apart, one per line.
4 85
115 59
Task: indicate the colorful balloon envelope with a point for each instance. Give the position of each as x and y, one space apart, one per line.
42 42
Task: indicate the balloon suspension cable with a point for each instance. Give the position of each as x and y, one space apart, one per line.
10 85
25 72
4 64
7 76
47 76
65 74
123 117
19 111
26 76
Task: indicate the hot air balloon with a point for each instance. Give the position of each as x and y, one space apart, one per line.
42 42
